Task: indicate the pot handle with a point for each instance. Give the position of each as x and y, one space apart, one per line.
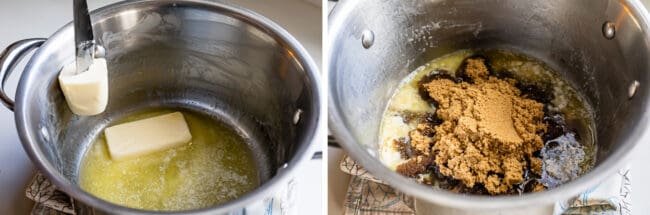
9 58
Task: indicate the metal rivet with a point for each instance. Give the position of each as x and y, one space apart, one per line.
609 30
283 167
45 134
632 90
367 38
372 151
100 51
296 116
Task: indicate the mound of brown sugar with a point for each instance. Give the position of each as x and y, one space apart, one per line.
488 133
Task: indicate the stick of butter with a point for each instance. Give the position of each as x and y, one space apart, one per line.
86 93
147 136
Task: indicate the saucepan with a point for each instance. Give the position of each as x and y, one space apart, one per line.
601 47
221 60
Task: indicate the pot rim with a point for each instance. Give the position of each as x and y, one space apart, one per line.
272 185
361 153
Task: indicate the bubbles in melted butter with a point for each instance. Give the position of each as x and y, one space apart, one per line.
216 167
561 157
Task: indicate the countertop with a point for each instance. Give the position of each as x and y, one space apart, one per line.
41 18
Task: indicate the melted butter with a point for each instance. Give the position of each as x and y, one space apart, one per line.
407 99
216 167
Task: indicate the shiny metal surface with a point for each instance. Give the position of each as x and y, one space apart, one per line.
223 61
609 30
566 35
83 36
8 60
367 38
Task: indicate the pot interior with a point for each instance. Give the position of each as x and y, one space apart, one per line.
182 55
565 35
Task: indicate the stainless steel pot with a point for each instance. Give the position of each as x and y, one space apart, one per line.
374 44
226 62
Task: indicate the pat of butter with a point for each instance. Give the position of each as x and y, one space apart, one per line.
147 136
86 93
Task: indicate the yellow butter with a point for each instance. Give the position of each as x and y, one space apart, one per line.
147 136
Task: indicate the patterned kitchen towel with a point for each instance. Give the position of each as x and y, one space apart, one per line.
351 167
610 197
51 201
367 195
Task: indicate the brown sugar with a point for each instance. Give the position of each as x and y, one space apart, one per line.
488 134
415 166
474 69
